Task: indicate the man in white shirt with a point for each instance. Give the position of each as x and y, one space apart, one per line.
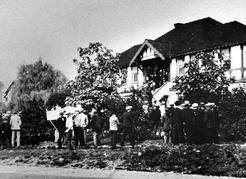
69 131
15 122
81 122
113 128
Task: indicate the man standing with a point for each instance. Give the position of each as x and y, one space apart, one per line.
113 128
167 126
197 124
177 124
155 118
77 129
208 120
81 121
15 122
69 130
96 128
127 126
215 123
5 130
187 117
61 127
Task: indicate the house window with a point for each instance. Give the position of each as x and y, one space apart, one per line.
134 75
124 75
180 66
226 54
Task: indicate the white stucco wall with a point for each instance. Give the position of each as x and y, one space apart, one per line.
129 76
129 80
244 59
140 77
187 58
173 69
236 62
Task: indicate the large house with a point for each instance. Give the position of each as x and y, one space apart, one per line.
163 59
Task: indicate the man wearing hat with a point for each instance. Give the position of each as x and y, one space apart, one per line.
80 122
167 125
187 117
5 130
15 122
69 130
215 124
177 124
197 122
61 127
128 128
96 128
208 122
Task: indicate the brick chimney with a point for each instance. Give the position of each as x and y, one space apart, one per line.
177 25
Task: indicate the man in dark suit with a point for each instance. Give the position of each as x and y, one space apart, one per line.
128 128
187 117
177 124
61 127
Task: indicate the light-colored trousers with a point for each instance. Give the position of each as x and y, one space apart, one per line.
96 138
15 133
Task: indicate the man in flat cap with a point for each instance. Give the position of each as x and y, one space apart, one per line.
128 128
177 124
61 127
187 117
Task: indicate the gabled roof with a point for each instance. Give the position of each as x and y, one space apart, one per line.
151 44
127 55
202 34
194 36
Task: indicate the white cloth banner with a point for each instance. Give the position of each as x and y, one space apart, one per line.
52 115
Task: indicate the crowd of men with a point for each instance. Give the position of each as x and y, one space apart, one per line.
75 126
10 129
181 123
191 124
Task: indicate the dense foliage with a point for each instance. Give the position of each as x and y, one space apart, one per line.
35 127
217 160
204 80
34 85
233 116
97 76
57 99
35 81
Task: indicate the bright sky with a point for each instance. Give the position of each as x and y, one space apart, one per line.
53 29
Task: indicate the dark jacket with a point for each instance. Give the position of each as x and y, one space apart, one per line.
96 123
197 119
61 124
187 116
127 119
155 116
176 117
209 119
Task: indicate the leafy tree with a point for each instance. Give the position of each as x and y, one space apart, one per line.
34 85
57 98
34 123
204 80
36 81
233 112
97 78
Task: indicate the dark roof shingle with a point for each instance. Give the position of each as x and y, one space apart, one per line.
202 34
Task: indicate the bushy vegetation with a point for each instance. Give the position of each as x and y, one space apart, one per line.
233 116
205 81
36 84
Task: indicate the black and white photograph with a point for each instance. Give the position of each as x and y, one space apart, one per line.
122 89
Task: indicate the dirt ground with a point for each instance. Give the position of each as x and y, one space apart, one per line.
151 156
